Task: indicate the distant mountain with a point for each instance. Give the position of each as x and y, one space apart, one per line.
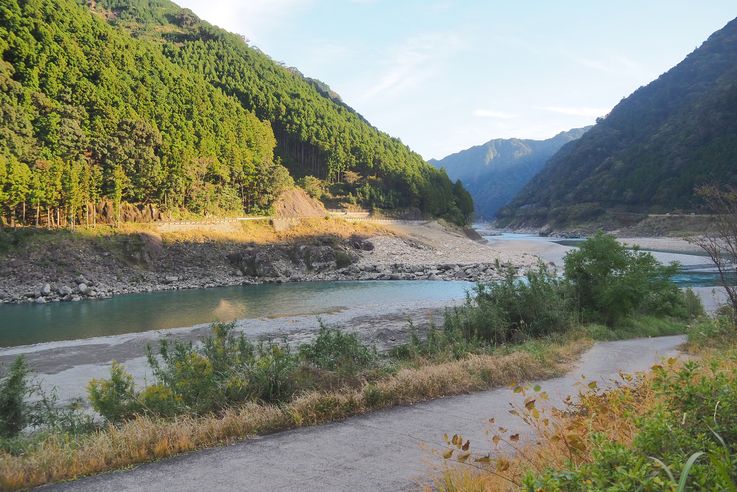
494 172
650 152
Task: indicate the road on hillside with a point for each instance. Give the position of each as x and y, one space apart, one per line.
394 449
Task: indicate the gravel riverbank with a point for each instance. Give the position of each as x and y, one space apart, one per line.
72 270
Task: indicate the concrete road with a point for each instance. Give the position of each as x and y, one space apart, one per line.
394 449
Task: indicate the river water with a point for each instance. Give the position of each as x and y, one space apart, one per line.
23 324
26 324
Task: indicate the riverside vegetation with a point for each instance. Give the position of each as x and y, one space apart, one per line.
227 387
667 429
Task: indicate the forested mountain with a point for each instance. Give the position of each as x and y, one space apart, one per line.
650 152
140 101
496 171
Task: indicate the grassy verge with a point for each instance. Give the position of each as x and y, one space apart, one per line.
146 438
225 388
670 428
255 232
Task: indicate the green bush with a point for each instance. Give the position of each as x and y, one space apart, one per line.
610 282
514 309
15 387
334 350
313 186
115 398
272 375
687 442
342 259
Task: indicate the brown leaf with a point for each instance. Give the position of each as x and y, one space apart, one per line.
465 446
530 404
514 437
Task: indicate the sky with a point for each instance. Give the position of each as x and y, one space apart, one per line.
444 75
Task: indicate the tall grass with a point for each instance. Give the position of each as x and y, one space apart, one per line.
670 428
146 438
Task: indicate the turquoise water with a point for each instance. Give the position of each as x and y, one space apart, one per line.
24 324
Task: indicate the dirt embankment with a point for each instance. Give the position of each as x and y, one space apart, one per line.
45 266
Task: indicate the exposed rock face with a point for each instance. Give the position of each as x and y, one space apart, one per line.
128 213
297 261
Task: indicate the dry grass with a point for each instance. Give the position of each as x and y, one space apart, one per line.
564 437
145 439
257 232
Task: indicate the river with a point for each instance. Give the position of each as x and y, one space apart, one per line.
26 324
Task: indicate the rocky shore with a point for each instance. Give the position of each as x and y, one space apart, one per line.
145 263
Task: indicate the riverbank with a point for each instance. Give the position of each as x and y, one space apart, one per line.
396 444
49 266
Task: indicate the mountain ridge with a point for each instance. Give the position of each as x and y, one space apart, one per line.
496 170
650 153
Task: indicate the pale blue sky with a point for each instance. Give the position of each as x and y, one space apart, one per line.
444 75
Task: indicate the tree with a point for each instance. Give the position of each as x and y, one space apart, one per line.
17 179
610 282
720 242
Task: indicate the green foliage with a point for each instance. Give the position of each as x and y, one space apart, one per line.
610 282
23 404
335 350
687 442
513 309
313 186
14 390
115 398
650 152
316 133
143 102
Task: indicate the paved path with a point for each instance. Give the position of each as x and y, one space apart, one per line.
387 450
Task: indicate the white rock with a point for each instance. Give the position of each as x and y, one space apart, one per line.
83 289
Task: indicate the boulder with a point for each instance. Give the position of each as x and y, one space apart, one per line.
64 290
45 290
319 257
83 289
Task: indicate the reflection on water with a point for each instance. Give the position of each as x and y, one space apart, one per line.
34 323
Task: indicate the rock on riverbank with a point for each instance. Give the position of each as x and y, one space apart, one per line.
72 271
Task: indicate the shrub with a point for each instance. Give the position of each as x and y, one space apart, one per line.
342 259
334 350
272 374
313 186
203 379
610 282
514 309
14 389
115 398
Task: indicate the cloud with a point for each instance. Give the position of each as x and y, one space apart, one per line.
616 64
576 110
417 59
252 18
489 113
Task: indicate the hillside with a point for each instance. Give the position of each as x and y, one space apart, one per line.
316 132
141 102
649 153
496 171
